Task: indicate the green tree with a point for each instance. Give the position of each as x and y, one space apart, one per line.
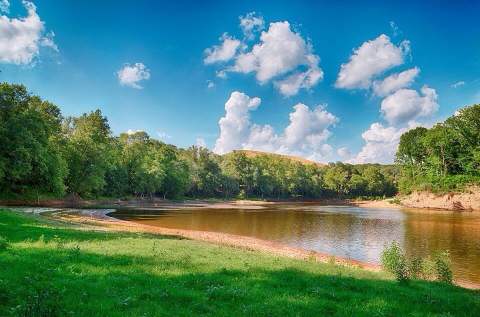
87 151
30 160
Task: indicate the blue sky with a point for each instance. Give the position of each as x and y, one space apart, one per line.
75 57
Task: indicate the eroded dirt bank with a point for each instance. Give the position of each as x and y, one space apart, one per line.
465 201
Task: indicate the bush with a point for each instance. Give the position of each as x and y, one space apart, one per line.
442 267
394 261
428 269
415 267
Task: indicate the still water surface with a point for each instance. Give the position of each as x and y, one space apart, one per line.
352 232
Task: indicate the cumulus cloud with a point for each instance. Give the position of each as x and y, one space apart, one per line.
250 24
305 135
21 38
458 84
380 144
280 51
290 85
210 84
130 75
406 105
344 152
371 59
281 55
395 82
223 52
235 125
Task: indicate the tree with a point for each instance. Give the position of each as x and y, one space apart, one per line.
87 151
30 159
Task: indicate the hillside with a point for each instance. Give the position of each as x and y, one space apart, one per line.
252 153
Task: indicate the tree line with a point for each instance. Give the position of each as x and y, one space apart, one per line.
444 157
43 153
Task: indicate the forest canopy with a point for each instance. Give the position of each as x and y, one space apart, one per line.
43 153
444 157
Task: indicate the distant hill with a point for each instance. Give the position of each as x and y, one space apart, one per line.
251 153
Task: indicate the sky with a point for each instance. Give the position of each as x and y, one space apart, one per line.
321 80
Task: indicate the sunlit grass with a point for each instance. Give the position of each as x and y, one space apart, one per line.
57 270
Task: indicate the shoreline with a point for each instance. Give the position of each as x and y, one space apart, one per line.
420 202
191 203
100 220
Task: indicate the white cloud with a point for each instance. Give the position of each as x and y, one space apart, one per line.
280 54
235 125
307 127
344 152
280 51
307 79
305 135
210 84
407 104
48 41
371 59
395 82
223 52
200 142
5 6
250 24
380 144
130 75
458 84
21 38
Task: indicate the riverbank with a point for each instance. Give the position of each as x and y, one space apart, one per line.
467 200
462 201
59 266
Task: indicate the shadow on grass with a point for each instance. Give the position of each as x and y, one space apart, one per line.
19 227
89 284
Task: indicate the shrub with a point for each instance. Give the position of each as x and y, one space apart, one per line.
428 269
415 267
394 261
442 267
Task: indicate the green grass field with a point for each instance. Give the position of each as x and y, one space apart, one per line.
51 269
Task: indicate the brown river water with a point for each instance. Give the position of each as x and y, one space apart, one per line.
351 232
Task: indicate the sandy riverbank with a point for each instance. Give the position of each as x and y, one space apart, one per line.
468 200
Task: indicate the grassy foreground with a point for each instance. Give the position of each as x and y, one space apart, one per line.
51 269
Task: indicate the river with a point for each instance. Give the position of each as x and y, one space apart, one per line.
351 232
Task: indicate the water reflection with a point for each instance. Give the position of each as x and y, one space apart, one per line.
357 233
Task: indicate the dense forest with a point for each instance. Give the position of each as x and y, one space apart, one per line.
443 158
44 154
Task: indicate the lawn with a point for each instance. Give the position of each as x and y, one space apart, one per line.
54 269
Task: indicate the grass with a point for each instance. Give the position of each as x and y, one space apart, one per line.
52 269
